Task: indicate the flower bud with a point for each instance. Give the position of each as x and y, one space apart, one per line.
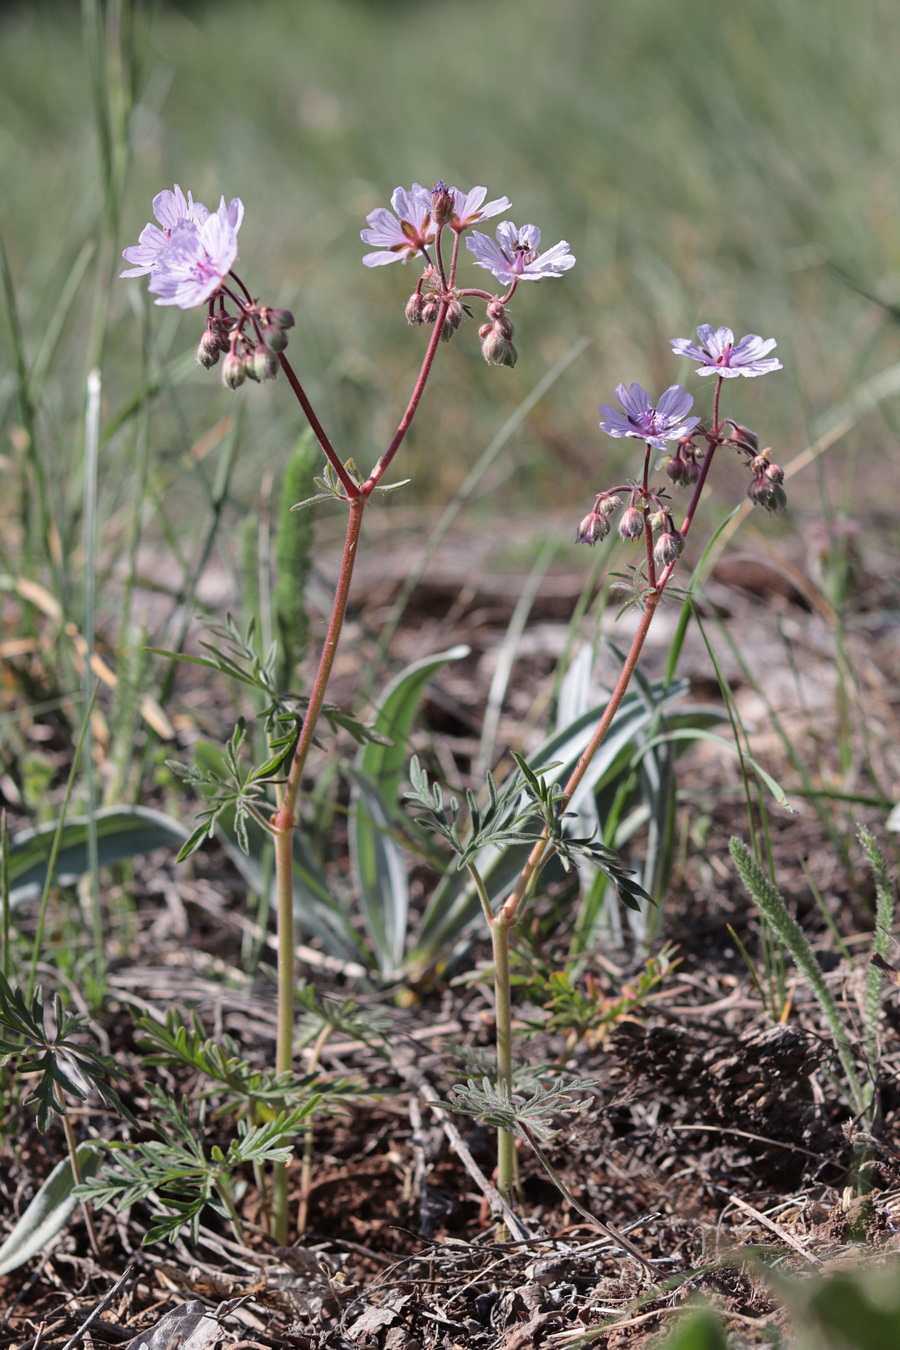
501 320
221 323
280 318
264 363
593 527
453 317
429 311
668 547
274 337
209 350
414 306
682 470
441 204
631 523
746 435
775 473
659 520
607 503
498 350
233 372
763 492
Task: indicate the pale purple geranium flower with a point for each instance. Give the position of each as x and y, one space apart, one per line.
196 261
467 207
401 236
719 354
171 210
515 257
668 421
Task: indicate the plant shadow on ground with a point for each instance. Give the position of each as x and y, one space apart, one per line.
718 1136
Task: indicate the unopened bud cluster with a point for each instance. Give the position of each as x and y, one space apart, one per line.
250 343
496 337
644 511
765 486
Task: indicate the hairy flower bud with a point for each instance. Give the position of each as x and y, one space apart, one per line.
233 372
593 527
631 523
682 470
441 204
498 350
668 547
274 337
746 435
414 306
209 349
221 323
501 320
763 492
659 520
280 318
453 317
264 362
607 503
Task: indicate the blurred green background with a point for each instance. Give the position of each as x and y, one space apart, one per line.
706 162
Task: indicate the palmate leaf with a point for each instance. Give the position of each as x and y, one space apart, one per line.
176 1169
535 1108
64 1065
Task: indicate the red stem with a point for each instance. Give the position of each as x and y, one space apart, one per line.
381 467
351 488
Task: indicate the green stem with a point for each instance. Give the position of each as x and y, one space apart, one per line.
506 1152
284 820
306 1170
225 1197
76 1175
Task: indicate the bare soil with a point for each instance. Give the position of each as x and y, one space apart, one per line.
718 1138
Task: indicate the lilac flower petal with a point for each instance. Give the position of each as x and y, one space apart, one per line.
719 354
145 253
636 401
197 261
402 235
666 422
615 423
175 211
674 403
468 207
514 256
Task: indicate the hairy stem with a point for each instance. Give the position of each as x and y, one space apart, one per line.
503 1010
306 1171
283 821
77 1178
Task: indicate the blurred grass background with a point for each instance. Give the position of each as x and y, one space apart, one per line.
706 162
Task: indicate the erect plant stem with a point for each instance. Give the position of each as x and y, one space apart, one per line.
77 1178
334 459
283 821
306 1171
503 1010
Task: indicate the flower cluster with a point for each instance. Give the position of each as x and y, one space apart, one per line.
414 229
647 514
189 256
